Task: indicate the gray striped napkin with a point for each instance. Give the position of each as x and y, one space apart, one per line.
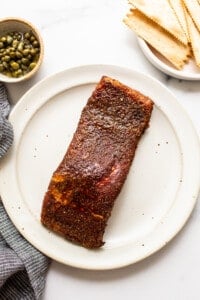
6 132
22 268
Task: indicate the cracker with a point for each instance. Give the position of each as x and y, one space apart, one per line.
173 50
194 38
178 7
161 13
193 7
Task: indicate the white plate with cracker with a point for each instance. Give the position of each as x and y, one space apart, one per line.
189 72
169 34
161 188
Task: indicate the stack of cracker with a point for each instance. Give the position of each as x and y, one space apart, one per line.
172 27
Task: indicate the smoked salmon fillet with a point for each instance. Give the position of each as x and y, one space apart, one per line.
84 187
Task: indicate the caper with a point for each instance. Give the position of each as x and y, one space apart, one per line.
14 65
28 46
23 67
7 51
15 43
19 72
18 54
32 65
3 39
20 46
6 58
35 44
37 50
29 56
4 63
32 38
27 35
25 52
12 54
9 39
25 61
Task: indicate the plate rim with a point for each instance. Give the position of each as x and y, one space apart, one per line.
100 67
154 60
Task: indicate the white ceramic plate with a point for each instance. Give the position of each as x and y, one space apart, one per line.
161 188
189 72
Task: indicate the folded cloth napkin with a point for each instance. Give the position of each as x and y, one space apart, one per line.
22 268
6 132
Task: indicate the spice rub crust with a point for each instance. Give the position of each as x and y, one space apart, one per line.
84 187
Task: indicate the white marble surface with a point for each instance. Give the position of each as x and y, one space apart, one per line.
88 31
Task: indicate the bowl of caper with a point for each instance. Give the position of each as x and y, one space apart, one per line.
21 50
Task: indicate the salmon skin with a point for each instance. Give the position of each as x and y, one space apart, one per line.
84 187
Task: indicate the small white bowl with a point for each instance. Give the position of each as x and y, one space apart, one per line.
20 25
189 72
